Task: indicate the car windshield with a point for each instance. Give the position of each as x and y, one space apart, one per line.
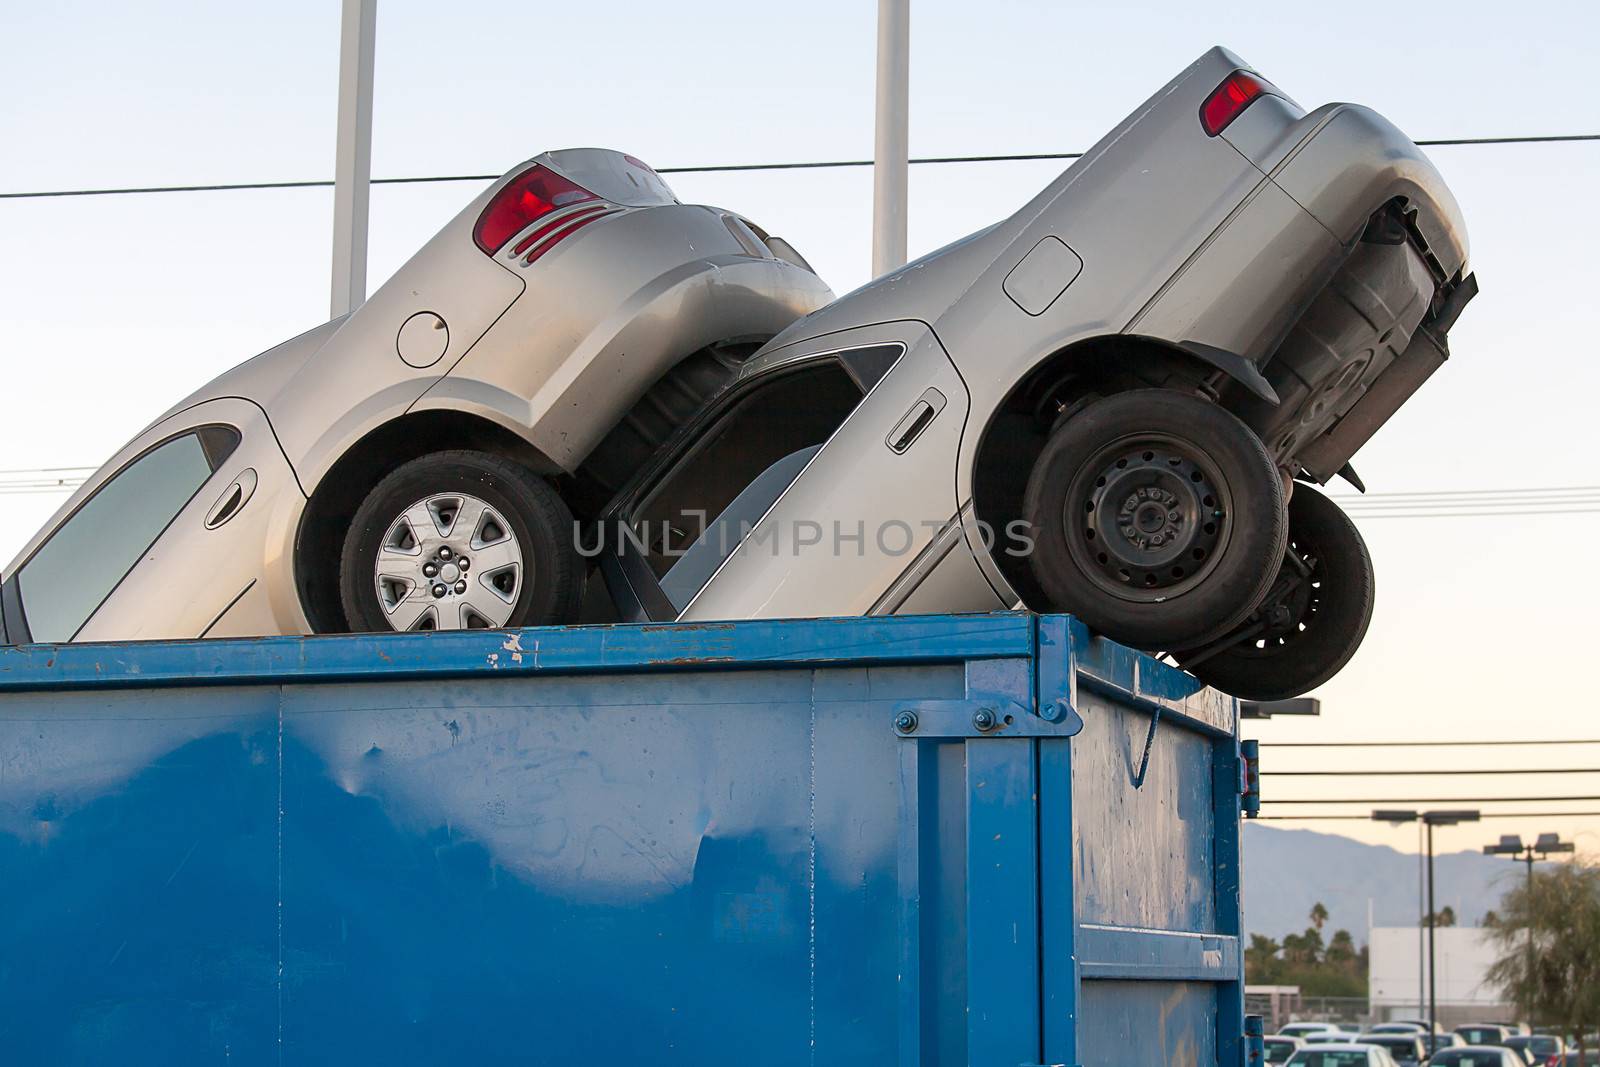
1463 1057
1279 1050
1329 1057
1538 1044
1480 1035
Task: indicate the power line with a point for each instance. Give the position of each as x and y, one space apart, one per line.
1426 744
1482 816
1423 800
1411 773
719 168
1474 492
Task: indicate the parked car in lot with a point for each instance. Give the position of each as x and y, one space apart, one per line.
1407 1048
1484 1033
1342 1055
1307 1030
1277 1048
1113 402
1477 1056
1437 1042
1397 1026
1546 1050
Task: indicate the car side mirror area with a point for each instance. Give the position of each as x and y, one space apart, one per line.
5 638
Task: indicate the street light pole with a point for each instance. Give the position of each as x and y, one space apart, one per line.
1429 820
1422 911
1511 845
892 142
352 169
1433 923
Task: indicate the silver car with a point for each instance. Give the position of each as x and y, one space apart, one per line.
415 464
1345 1055
1100 404
1108 403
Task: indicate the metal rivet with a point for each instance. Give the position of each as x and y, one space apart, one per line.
905 722
983 718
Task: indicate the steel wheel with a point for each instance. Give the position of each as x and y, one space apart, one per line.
1147 516
1312 620
448 562
1157 518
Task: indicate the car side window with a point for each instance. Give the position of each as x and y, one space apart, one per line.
73 572
697 515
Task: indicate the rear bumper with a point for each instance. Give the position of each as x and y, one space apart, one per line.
1349 162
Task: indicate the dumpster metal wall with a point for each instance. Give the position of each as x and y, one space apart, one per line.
941 840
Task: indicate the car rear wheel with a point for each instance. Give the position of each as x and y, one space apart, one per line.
1313 619
460 540
1157 518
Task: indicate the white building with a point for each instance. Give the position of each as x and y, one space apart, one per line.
1463 954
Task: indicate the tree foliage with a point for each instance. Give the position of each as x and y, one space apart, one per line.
1548 937
1332 969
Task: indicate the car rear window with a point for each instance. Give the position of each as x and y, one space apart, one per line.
1324 1057
1467 1058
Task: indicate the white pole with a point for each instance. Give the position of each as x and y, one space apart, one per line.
892 140
352 171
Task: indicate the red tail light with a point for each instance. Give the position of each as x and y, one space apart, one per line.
526 199
1228 101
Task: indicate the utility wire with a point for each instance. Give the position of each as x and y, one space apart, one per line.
1482 817
1410 773
1426 744
721 168
1454 503
1423 800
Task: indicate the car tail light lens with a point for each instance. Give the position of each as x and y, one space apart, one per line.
1228 101
526 199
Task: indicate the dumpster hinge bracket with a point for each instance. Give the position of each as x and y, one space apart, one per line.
979 717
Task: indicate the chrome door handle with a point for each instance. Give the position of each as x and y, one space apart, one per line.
913 422
233 499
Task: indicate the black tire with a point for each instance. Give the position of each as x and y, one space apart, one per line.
1157 519
1324 617
547 577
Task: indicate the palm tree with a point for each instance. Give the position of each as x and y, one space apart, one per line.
1557 979
1319 915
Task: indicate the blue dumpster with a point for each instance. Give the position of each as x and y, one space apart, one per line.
981 839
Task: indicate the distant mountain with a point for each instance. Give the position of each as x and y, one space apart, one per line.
1287 871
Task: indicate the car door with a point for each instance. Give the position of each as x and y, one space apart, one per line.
871 521
171 541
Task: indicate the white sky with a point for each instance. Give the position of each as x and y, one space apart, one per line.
113 307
